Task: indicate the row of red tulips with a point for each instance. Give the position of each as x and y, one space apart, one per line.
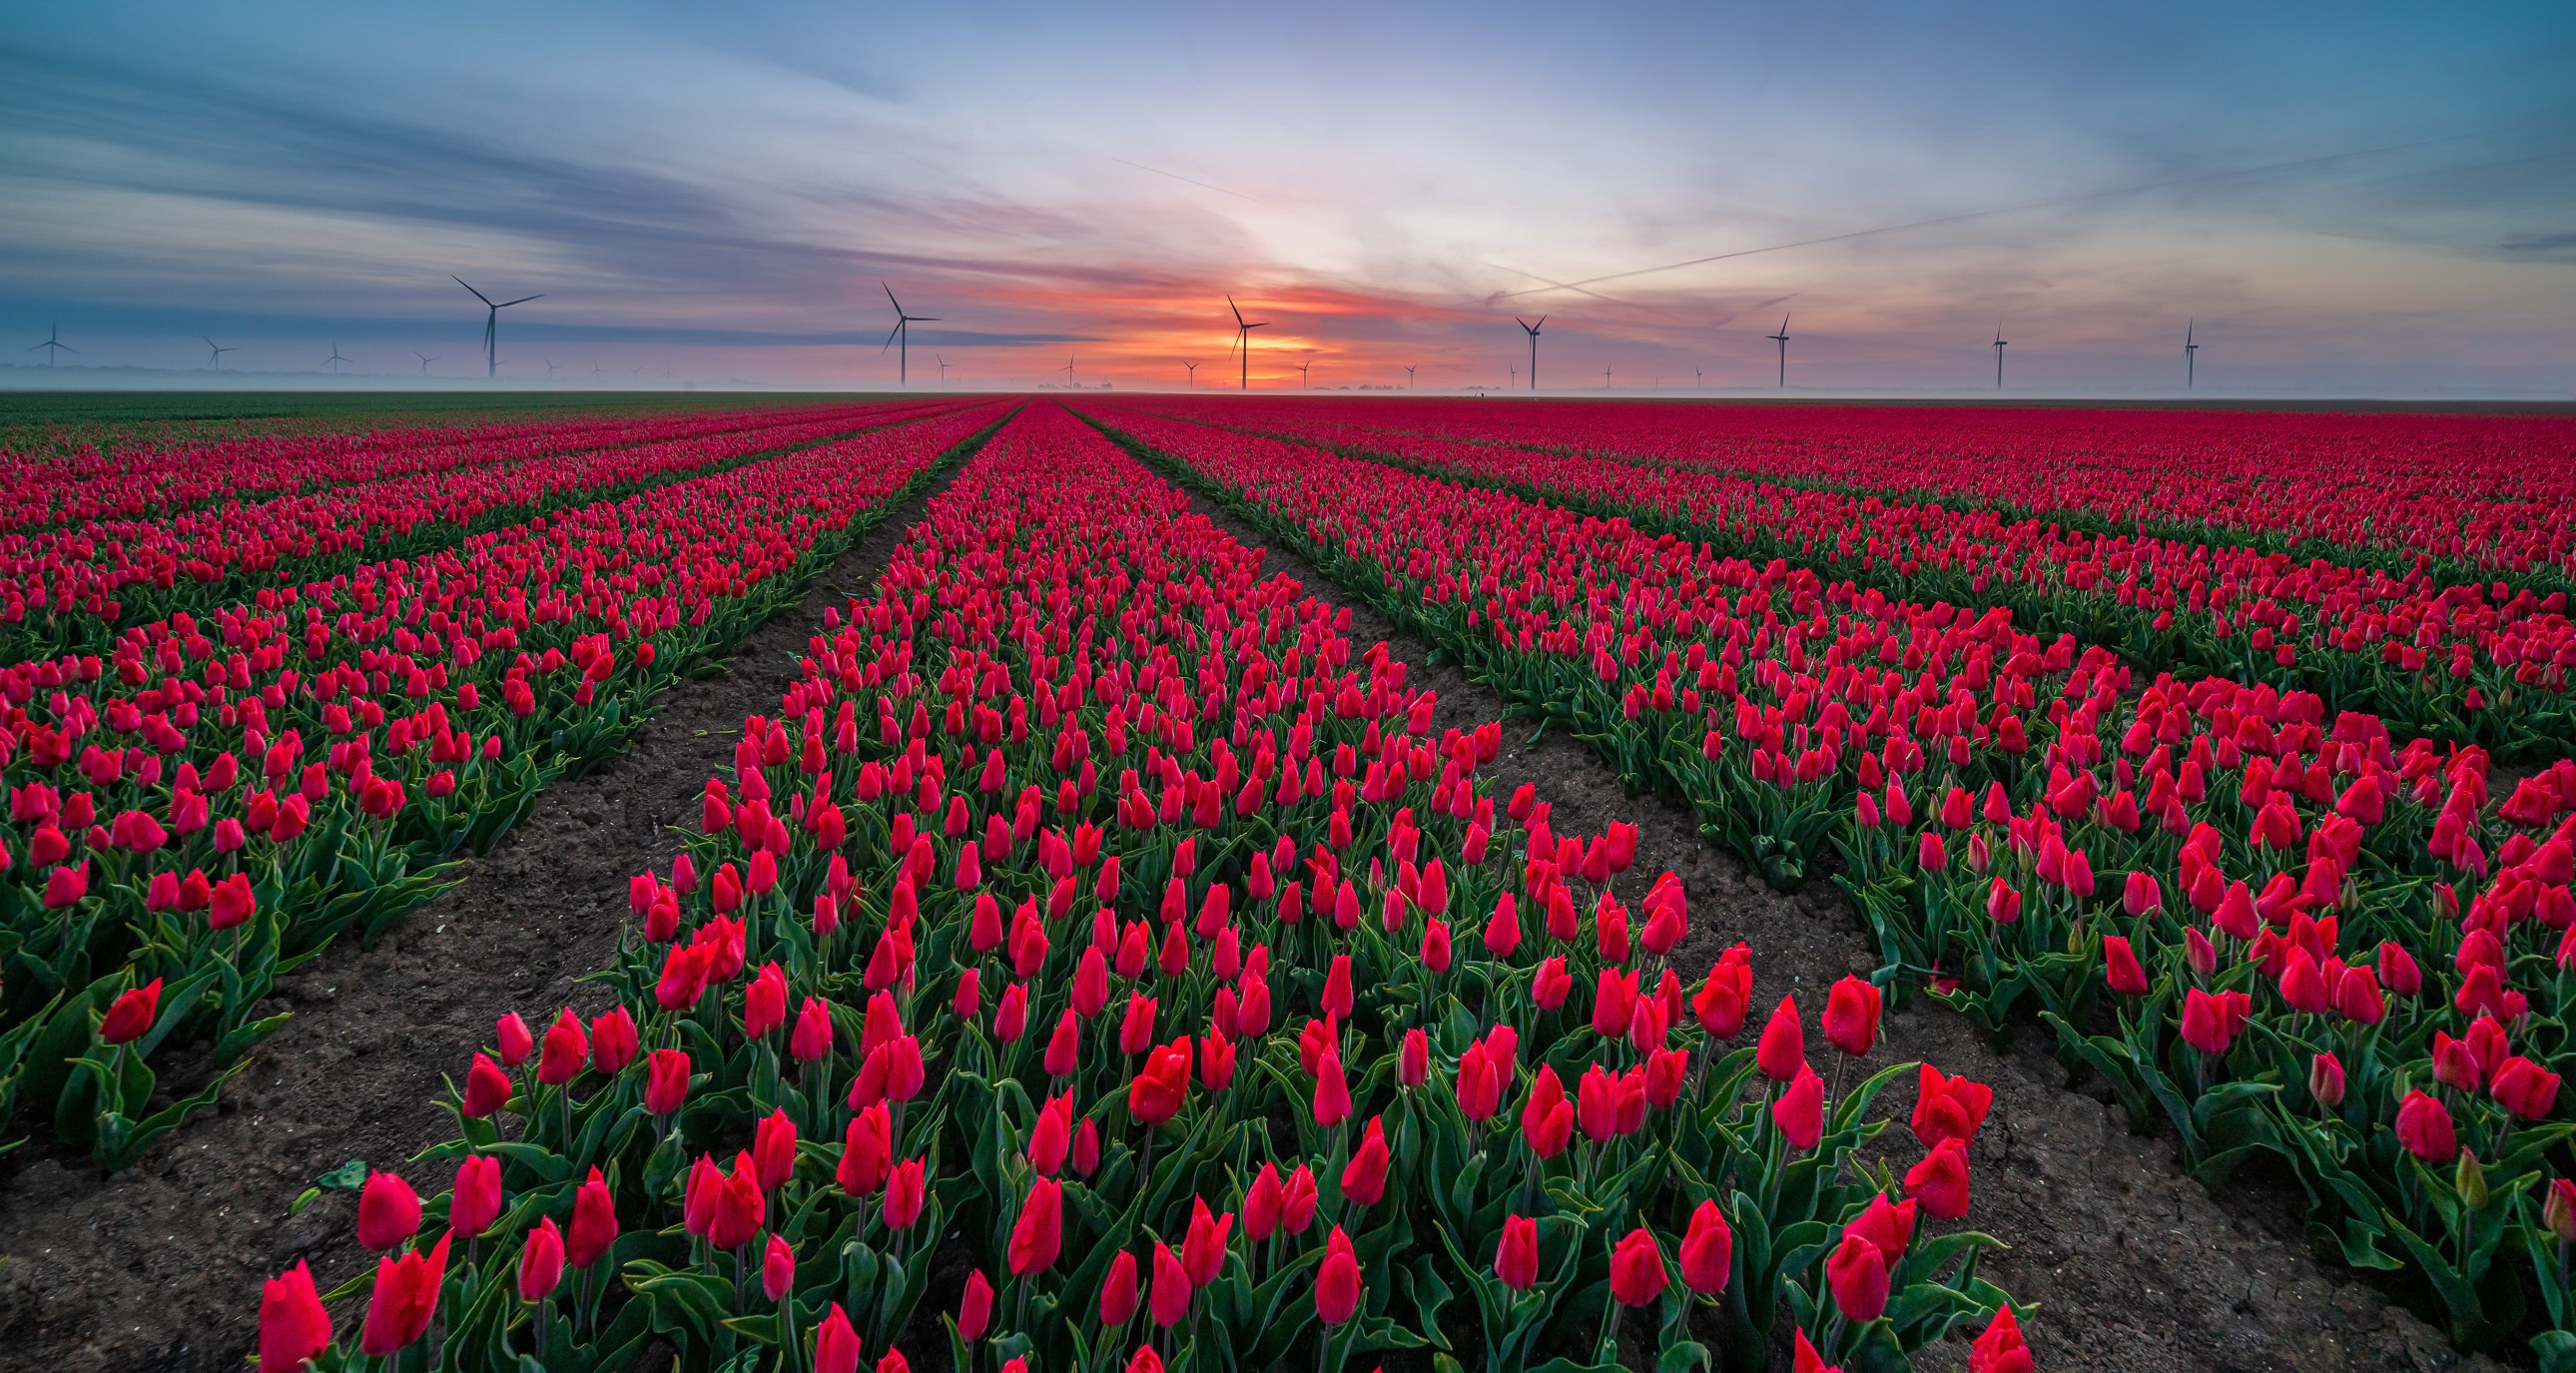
70 587
67 474
212 803
2468 661
2482 496
2281 935
1093 921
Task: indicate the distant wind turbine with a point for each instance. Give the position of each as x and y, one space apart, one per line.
1302 369
2000 345
2189 348
492 324
216 358
1243 341
1408 376
943 368
54 341
1194 374
1605 376
902 333
1533 333
1695 377
425 361
1070 375
1782 338
550 367
595 370
333 362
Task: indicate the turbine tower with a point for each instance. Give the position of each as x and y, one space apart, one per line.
425 361
1302 369
943 368
1194 374
2000 345
215 359
2189 348
333 362
1069 374
902 333
1533 333
1243 340
492 324
1605 376
1408 376
1781 338
54 342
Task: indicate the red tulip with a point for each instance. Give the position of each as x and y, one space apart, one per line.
1156 1093
773 1149
1297 1201
131 1014
475 1202
1637 1275
2424 1128
2325 1080
594 1222
1803 1357
388 1212
613 1041
511 1033
541 1262
2211 1023
1332 1104
293 1327
1261 1204
231 902
812 1037
1948 1107
406 1296
778 1271
487 1089
1516 1257
666 1083
566 1049
737 1209
1171 1292
907 1190
2120 966
1851 1016
1781 1053
867 1152
1118 1291
1800 1111
2524 1088
1364 1177
1039 1235
1940 1181
1337 1283
836 1345
1857 1273
1708 1251
1547 1118
1203 1247
1999 1348
975 1309
764 1002
1413 1059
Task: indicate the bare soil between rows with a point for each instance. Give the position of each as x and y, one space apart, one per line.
160 1266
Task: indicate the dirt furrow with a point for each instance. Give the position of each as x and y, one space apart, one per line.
2120 1261
160 1266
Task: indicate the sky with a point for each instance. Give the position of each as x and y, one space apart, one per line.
2344 199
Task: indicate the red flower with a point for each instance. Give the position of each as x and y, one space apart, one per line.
2120 966
131 1014
1156 1093
293 1327
1940 1181
541 1262
1516 1256
2424 1127
1999 1348
1708 1251
1364 1177
1039 1235
867 1152
594 1221
1800 1111
1171 1292
1857 1273
406 1296
1637 1273
1948 1107
1118 1291
1781 1053
1337 1283
388 1212
1851 1016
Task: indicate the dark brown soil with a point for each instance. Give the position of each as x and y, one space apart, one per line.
2119 1261
160 1266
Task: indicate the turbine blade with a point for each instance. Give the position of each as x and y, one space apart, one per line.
898 305
890 333
520 301
478 295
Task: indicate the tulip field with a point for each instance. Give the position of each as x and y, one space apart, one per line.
1100 958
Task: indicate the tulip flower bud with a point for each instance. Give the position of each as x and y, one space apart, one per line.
2469 1179
2557 1210
1413 1063
778 1270
388 1212
1337 1283
1118 1291
2325 1080
594 1221
975 1309
1516 1256
541 1262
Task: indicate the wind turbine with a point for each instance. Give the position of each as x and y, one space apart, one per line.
2188 349
595 370
1533 333
1408 376
943 368
492 324
1302 369
902 332
54 341
216 359
1069 374
550 367
2000 345
1782 338
1605 376
425 361
1698 384
333 362
1194 374
1243 340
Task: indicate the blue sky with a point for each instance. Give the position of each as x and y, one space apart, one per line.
2347 199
